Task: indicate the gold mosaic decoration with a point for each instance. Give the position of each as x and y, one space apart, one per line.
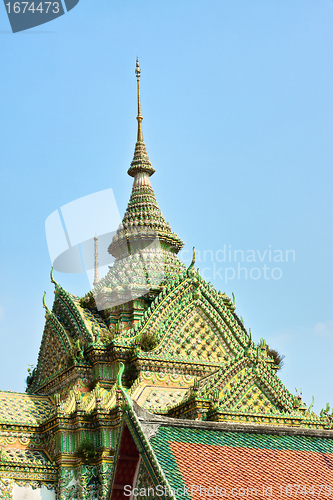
198 340
255 400
23 409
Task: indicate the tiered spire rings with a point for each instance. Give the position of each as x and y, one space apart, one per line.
140 161
143 223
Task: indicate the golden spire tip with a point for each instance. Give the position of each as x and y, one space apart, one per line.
137 68
139 117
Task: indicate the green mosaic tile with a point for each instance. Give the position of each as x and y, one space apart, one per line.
242 439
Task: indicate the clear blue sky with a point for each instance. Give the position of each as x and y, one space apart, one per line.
237 106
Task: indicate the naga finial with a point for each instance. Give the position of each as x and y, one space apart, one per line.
193 261
120 384
52 278
44 304
51 275
139 117
311 405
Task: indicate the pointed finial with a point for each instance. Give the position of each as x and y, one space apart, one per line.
192 262
44 304
140 161
96 277
127 399
139 117
52 278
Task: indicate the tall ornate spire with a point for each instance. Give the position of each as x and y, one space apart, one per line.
96 278
143 219
144 235
140 161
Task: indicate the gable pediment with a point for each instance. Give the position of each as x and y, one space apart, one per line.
249 385
197 338
255 398
54 354
194 324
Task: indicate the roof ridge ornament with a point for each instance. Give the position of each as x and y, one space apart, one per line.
52 277
127 399
48 311
193 260
191 270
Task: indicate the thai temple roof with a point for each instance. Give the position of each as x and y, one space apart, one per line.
193 459
21 409
152 379
31 458
228 458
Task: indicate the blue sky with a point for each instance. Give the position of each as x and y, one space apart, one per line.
237 106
